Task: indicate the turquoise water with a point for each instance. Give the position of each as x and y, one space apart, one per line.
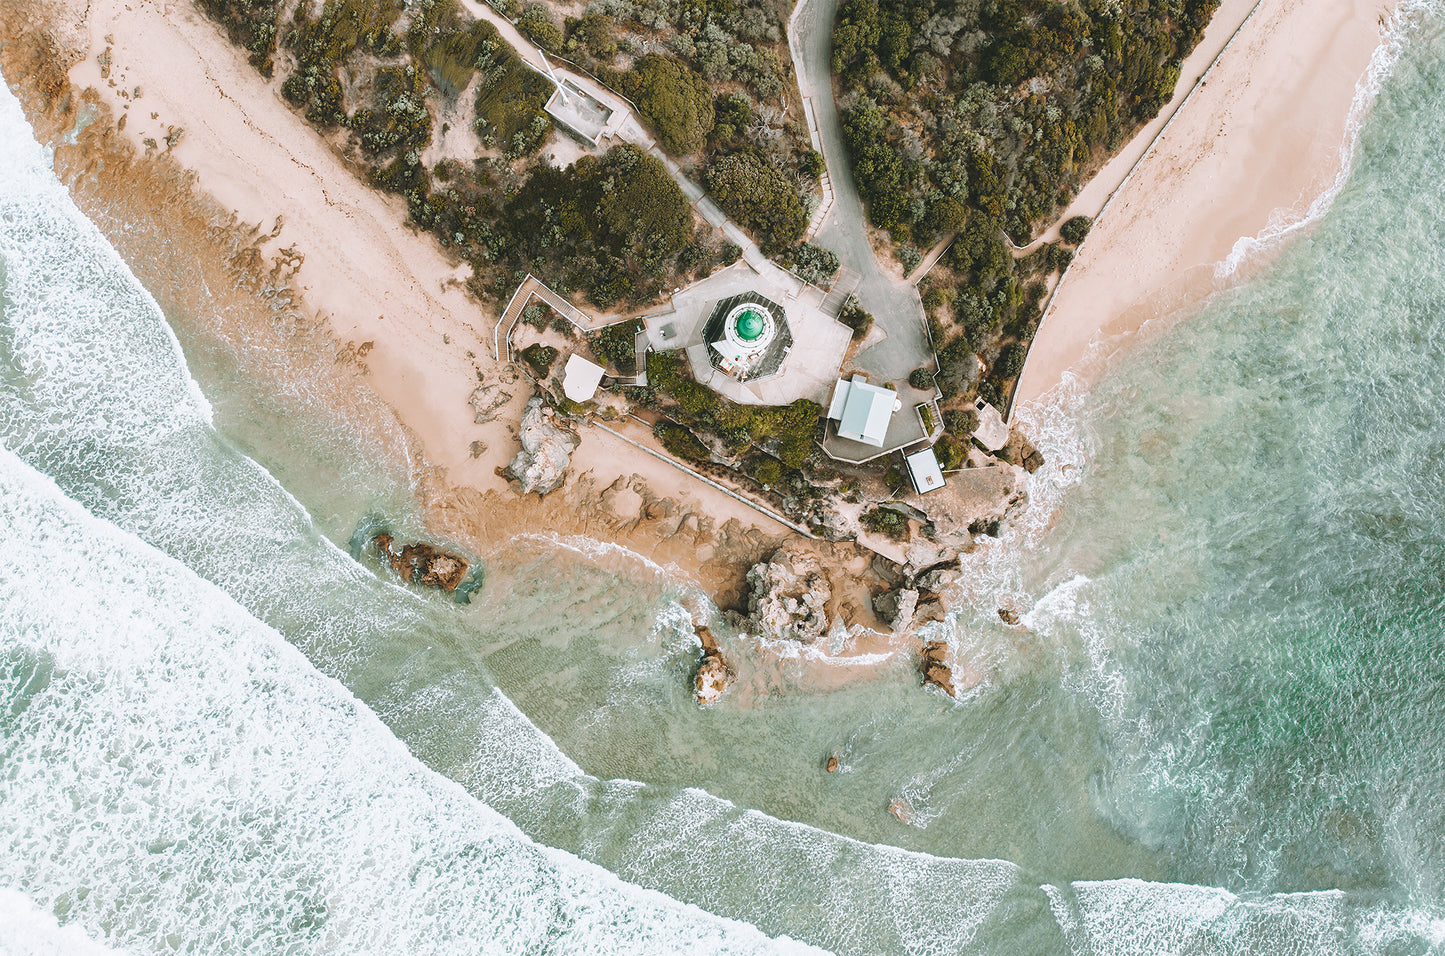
1224 730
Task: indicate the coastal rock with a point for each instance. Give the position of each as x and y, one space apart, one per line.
1008 615
421 563
832 765
834 527
907 604
887 570
929 612
934 582
713 673
541 465
489 398
935 671
901 809
1019 451
788 596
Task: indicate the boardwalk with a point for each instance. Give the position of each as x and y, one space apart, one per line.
530 287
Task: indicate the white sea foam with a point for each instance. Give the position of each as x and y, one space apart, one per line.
1119 917
1403 22
27 930
215 791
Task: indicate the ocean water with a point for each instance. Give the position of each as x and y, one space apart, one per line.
1221 733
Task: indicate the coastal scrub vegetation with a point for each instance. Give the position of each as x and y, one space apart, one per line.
673 98
373 75
785 431
616 345
251 25
714 79
980 120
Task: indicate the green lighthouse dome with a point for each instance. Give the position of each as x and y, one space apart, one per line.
750 325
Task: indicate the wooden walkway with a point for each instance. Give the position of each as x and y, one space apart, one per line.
532 286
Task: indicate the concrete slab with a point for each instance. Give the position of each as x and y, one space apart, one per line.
811 365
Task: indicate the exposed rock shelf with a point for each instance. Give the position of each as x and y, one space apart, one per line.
713 673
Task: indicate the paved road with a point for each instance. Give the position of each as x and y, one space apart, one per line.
894 303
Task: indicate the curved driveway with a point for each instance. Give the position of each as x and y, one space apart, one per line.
894 303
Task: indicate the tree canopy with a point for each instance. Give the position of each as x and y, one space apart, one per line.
674 99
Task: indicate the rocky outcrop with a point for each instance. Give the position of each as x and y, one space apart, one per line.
713 673
490 397
788 595
901 809
421 563
832 765
935 671
541 465
1008 615
897 608
1020 452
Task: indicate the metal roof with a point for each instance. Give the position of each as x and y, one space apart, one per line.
862 410
923 469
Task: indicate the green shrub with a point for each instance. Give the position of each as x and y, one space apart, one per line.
767 471
540 358
536 25
811 263
1011 360
760 197
853 315
951 452
961 422
681 442
925 412
616 345
1075 229
537 315
890 523
674 99
920 378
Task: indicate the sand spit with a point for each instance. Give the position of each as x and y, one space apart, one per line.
1258 140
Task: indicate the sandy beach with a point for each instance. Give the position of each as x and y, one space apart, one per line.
1256 143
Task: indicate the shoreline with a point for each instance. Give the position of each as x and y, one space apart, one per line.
307 254
246 225
1263 135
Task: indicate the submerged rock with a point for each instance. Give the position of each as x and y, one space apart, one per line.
541 465
713 674
421 563
935 671
788 595
901 809
1008 615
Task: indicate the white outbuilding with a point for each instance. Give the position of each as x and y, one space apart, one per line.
923 469
581 378
862 411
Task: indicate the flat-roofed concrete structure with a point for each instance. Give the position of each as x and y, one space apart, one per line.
580 378
924 471
862 410
991 433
